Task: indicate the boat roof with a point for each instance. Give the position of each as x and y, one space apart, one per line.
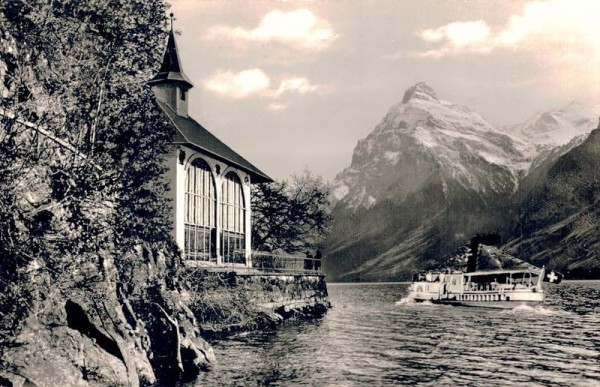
496 272
440 272
534 270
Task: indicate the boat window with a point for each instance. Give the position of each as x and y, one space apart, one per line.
432 277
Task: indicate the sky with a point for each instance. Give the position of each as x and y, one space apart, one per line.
293 85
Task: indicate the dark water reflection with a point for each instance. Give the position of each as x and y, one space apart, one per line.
369 338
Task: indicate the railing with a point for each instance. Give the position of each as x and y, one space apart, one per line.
236 257
263 262
285 263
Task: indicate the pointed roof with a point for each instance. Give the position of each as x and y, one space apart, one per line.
192 134
170 70
189 132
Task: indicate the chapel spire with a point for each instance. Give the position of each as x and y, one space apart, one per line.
171 84
170 70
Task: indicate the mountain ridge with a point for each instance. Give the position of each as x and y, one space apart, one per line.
432 173
445 136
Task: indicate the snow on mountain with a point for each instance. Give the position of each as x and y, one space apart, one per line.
424 136
556 127
548 135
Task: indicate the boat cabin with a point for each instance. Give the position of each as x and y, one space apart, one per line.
493 280
501 279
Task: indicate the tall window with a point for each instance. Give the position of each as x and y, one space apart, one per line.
233 220
200 211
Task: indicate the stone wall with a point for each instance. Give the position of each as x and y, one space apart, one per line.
228 301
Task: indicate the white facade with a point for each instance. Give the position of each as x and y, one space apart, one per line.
179 160
210 197
176 97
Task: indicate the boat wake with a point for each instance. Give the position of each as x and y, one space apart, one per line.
409 301
537 310
405 301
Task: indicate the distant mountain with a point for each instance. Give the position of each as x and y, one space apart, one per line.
431 174
559 219
548 135
554 128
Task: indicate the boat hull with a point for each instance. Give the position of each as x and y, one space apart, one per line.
482 304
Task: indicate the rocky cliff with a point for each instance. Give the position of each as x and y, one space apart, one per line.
88 330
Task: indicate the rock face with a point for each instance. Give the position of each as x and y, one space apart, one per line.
430 175
148 332
100 333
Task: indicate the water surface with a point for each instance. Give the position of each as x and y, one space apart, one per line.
372 337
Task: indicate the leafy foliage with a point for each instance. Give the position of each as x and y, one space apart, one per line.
80 144
290 216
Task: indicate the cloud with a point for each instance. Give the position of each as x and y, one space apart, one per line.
299 28
566 23
255 83
459 34
472 36
241 85
296 85
563 36
277 107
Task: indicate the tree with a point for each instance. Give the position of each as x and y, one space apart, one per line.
80 142
290 215
83 215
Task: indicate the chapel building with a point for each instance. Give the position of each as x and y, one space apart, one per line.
209 181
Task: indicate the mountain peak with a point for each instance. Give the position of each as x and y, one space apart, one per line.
573 106
555 127
419 91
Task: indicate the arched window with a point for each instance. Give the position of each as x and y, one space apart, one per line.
233 220
200 213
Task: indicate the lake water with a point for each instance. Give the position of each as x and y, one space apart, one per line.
370 338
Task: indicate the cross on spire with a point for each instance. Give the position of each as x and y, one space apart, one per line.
170 70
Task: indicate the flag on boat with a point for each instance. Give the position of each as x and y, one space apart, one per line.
553 277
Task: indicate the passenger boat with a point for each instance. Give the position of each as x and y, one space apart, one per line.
483 288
